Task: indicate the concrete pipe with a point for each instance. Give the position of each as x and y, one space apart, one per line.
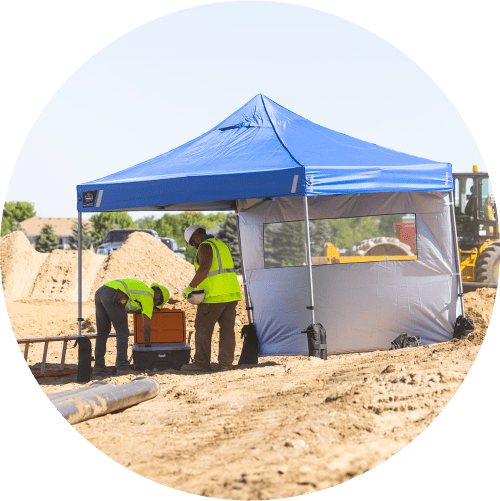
108 398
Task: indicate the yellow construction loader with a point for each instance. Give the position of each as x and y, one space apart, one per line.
371 249
477 227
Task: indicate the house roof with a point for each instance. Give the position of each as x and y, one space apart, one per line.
61 226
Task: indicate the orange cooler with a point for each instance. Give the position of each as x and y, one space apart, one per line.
167 326
168 341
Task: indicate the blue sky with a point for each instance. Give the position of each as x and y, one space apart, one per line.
174 78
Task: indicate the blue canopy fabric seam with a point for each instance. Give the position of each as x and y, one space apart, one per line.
278 136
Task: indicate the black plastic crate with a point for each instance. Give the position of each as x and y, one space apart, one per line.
161 356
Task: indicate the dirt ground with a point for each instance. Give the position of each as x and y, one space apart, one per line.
285 427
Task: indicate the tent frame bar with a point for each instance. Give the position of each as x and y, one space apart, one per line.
245 287
80 319
309 260
457 252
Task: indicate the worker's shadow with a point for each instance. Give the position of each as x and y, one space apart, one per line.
235 368
53 377
52 373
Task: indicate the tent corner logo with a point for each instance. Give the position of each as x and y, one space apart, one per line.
89 198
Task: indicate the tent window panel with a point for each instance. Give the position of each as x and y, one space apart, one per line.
337 241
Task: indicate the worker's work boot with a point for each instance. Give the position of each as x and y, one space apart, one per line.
124 372
104 371
222 368
195 367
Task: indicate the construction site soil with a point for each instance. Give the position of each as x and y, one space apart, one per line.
285 427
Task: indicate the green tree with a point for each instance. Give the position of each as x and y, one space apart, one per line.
347 231
105 220
15 212
147 223
170 225
321 233
229 235
284 244
47 241
386 225
16 226
87 239
187 219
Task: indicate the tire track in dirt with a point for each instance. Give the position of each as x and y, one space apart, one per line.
57 279
26 281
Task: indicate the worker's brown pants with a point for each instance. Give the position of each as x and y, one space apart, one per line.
207 315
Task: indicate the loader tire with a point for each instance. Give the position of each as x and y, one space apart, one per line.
487 264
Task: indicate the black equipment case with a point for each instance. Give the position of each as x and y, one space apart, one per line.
160 356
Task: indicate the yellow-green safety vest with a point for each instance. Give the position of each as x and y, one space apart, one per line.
221 284
141 297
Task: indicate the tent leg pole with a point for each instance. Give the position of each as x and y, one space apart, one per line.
457 252
80 273
309 260
247 297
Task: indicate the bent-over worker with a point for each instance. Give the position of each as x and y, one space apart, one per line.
214 274
112 301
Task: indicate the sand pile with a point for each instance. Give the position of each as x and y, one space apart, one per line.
30 275
143 257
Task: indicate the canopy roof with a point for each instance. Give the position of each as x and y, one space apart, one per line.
262 150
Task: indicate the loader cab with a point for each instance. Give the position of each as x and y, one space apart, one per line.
475 209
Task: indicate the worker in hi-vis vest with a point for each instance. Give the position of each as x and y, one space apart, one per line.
112 301
216 276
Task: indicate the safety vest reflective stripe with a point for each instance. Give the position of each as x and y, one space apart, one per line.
134 291
218 272
219 262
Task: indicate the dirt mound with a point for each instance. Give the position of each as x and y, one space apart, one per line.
143 257
30 275
478 306
57 279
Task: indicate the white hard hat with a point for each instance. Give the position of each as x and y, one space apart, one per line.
188 232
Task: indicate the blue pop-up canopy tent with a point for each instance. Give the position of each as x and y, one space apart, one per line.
272 165
262 150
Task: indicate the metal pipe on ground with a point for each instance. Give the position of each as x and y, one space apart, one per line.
93 388
106 399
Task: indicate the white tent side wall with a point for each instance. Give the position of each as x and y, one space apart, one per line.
363 306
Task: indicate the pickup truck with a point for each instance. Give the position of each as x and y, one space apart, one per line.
115 238
172 245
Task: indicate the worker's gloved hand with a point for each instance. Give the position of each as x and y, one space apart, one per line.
187 291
